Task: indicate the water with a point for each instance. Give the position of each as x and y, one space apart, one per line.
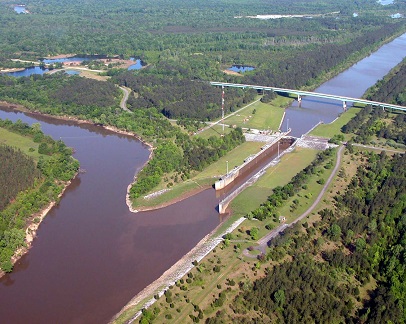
385 2
92 255
241 68
28 71
351 83
20 9
136 66
72 72
68 59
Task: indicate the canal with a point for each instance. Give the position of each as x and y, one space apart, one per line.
92 255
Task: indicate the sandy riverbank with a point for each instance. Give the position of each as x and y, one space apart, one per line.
33 224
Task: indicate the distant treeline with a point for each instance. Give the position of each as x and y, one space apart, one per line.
37 184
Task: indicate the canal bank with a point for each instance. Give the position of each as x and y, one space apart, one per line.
62 279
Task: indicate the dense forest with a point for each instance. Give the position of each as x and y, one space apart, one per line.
30 185
358 240
17 173
181 97
375 123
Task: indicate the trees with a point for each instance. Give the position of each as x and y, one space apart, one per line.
26 186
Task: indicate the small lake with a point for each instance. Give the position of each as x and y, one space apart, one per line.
67 59
241 68
385 2
28 71
20 9
136 66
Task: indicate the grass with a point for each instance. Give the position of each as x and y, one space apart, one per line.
203 179
329 130
25 144
216 130
278 175
205 285
259 116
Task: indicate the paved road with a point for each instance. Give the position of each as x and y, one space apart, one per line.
123 103
263 242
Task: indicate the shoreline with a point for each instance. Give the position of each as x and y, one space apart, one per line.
176 271
151 148
32 228
170 202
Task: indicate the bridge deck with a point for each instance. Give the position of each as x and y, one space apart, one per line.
310 93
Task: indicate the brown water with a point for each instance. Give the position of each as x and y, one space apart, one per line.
92 255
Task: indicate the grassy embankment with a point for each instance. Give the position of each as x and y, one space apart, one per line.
210 174
225 267
25 144
329 130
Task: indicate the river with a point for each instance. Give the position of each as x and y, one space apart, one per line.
92 255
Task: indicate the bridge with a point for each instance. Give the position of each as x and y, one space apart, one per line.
301 93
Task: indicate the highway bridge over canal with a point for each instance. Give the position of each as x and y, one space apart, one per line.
301 93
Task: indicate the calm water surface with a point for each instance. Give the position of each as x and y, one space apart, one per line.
241 68
92 255
351 83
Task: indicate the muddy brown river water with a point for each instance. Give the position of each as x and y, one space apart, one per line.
92 255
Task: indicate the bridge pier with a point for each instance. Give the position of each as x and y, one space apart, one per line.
299 98
344 105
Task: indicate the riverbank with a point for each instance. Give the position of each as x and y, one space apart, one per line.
170 202
21 108
177 271
33 224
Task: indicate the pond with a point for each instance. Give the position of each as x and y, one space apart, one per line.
28 71
20 9
137 65
241 68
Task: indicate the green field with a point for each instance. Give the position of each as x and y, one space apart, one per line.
329 130
25 144
205 178
216 130
259 116
278 175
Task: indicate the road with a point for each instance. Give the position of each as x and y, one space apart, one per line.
263 242
378 148
123 103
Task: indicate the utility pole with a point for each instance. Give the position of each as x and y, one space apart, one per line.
222 107
227 167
